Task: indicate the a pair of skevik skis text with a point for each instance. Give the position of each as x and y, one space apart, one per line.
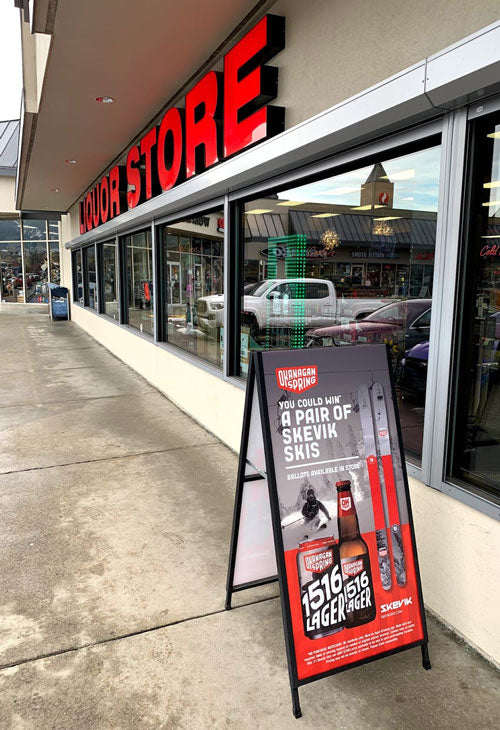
375 427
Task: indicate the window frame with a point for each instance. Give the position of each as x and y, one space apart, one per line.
100 268
160 260
86 282
124 286
460 342
442 363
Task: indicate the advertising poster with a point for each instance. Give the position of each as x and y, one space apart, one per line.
348 549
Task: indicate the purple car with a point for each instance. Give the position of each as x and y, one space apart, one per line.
412 376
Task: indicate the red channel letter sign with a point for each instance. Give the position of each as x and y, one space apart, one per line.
225 113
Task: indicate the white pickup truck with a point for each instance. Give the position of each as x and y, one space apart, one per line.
283 302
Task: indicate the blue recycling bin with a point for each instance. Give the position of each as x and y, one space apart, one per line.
58 302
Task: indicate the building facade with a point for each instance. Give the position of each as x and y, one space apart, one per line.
295 176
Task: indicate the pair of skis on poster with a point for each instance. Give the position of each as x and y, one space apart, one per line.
375 428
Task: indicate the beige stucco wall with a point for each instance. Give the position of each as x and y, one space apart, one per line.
458 551
335 49
7 194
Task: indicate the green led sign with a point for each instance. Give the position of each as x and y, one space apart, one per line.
289 303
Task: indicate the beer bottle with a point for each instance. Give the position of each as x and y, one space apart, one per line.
354 560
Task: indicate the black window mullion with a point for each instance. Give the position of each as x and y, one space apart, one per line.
233 296
99 261
161 284
124 283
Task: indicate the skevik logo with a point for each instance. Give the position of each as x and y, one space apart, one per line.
395 604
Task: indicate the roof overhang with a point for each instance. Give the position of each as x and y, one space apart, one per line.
465 72
142 55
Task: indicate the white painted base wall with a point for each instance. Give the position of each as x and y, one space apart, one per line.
458 547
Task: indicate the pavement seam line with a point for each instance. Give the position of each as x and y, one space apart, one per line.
130 635
78 400
112 458
51 370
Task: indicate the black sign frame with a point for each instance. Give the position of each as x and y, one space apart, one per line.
256 381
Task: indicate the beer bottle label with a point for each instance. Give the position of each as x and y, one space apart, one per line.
358 590
322 595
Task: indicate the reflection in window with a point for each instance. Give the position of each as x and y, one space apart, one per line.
53 230
139 258
10 229
34 230
11 279
90 277
347 260
36 271
476 430
109 273
55 270
193 268
76 262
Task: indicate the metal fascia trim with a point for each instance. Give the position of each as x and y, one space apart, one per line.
467 66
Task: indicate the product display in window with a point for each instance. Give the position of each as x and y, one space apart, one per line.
110 273
139 255
193 268
90 277
347 260
11 280
36 268
76 262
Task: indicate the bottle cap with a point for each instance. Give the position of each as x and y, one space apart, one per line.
343 486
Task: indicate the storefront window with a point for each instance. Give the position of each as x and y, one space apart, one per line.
55 270
109 273
139 256
35 230
36 270
10 229
475 438
76 261
193 269
11 279
90 277
346 260
53 230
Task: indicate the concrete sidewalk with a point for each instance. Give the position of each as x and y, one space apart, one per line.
115 517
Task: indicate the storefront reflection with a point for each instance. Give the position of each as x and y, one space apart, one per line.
193 264
347 260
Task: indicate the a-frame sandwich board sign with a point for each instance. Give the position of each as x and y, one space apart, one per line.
321 482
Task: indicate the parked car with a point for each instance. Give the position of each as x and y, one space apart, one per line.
401 324
412 373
